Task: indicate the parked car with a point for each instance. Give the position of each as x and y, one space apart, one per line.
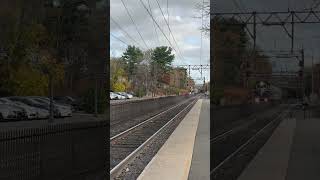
9 112
118 95
61 109
113 96
30 111
34 103
67 100
127 95
21 112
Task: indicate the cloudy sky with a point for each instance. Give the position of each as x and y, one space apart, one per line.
275 38
183 23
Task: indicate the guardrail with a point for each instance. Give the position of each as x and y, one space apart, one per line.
54 151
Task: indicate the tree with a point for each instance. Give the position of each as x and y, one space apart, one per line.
28 51
132 56
230 46
118 76
162 58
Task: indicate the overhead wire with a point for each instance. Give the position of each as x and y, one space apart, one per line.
131 18
124 31
170 32
237 5
119 39
154 26
161 30
201 34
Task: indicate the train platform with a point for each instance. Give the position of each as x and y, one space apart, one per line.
291 153
182 156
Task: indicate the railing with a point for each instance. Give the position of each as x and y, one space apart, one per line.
54 151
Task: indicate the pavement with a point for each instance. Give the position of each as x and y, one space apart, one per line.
200 164
291 153
181 157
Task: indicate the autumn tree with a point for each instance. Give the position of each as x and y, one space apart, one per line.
26 51
118 76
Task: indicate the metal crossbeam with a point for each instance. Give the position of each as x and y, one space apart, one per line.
280 18
200 68
204 66
272 18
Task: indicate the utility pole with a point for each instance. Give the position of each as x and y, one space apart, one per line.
302 73
96 97
51 97
312 75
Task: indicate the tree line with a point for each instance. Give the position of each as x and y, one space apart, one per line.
144 72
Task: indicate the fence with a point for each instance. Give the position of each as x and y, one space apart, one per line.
133 109
55 151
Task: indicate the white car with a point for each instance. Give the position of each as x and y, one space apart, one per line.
113 96
8 112
118 95
32 112
127 95
60 110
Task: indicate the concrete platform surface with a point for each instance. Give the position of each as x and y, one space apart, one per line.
173 160
200 164
272 159
304 160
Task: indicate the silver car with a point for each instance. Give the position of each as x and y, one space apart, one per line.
127 95
8 112
32 112
33 103
61 110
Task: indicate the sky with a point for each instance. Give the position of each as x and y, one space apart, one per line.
184 25
274 38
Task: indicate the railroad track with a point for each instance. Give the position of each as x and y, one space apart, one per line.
125 146
252 133
242 124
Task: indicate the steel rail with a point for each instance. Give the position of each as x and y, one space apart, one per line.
248 141
145 121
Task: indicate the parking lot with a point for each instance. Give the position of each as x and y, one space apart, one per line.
17 108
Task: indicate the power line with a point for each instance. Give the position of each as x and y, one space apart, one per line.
201 31
311 7
237 5
168 10
157 24
154 26
168 13
170 32
134 23
242 5
125 32
119 39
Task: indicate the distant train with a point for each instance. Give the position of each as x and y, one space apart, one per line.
264 92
